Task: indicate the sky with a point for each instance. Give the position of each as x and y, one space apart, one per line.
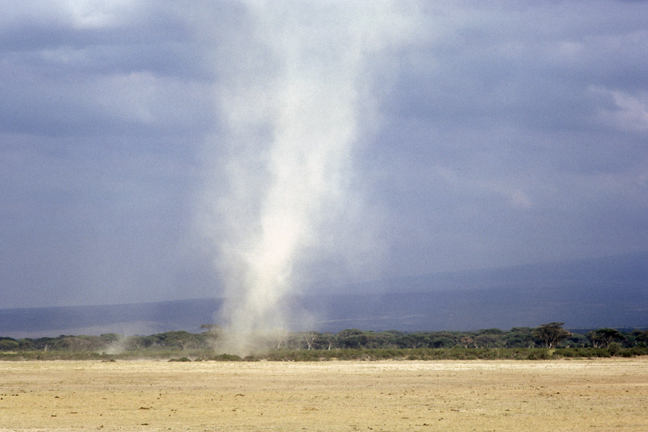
476 136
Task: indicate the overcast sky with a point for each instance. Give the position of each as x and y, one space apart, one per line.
500 135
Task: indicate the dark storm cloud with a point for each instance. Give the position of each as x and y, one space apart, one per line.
101 116
508 134
136 69
519 131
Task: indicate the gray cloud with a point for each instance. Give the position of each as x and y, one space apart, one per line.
505 134
519 134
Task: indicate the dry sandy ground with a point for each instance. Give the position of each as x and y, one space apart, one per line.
566 395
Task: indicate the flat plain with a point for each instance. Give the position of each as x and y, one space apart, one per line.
475 395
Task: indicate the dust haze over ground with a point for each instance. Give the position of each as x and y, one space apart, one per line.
296 102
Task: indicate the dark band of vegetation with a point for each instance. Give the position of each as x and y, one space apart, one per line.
545 342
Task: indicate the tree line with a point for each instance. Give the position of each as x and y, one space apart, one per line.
551 335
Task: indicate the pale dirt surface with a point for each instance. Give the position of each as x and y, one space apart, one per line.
565 395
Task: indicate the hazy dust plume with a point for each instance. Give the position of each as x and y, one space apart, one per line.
295 99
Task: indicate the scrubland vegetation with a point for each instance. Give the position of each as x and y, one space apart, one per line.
545 342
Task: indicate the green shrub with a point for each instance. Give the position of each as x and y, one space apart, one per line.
539 354
614 348
226 357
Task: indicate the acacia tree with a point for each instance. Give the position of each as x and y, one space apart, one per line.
466 341
604 337
486 340
551 334
309 338
640 336
412 340
351 338
519 337
9 344
324 341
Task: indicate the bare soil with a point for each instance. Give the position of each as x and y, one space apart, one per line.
563 395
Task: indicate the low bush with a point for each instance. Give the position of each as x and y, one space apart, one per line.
538 354
226 357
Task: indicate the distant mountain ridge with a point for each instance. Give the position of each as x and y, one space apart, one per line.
126 319
589 293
